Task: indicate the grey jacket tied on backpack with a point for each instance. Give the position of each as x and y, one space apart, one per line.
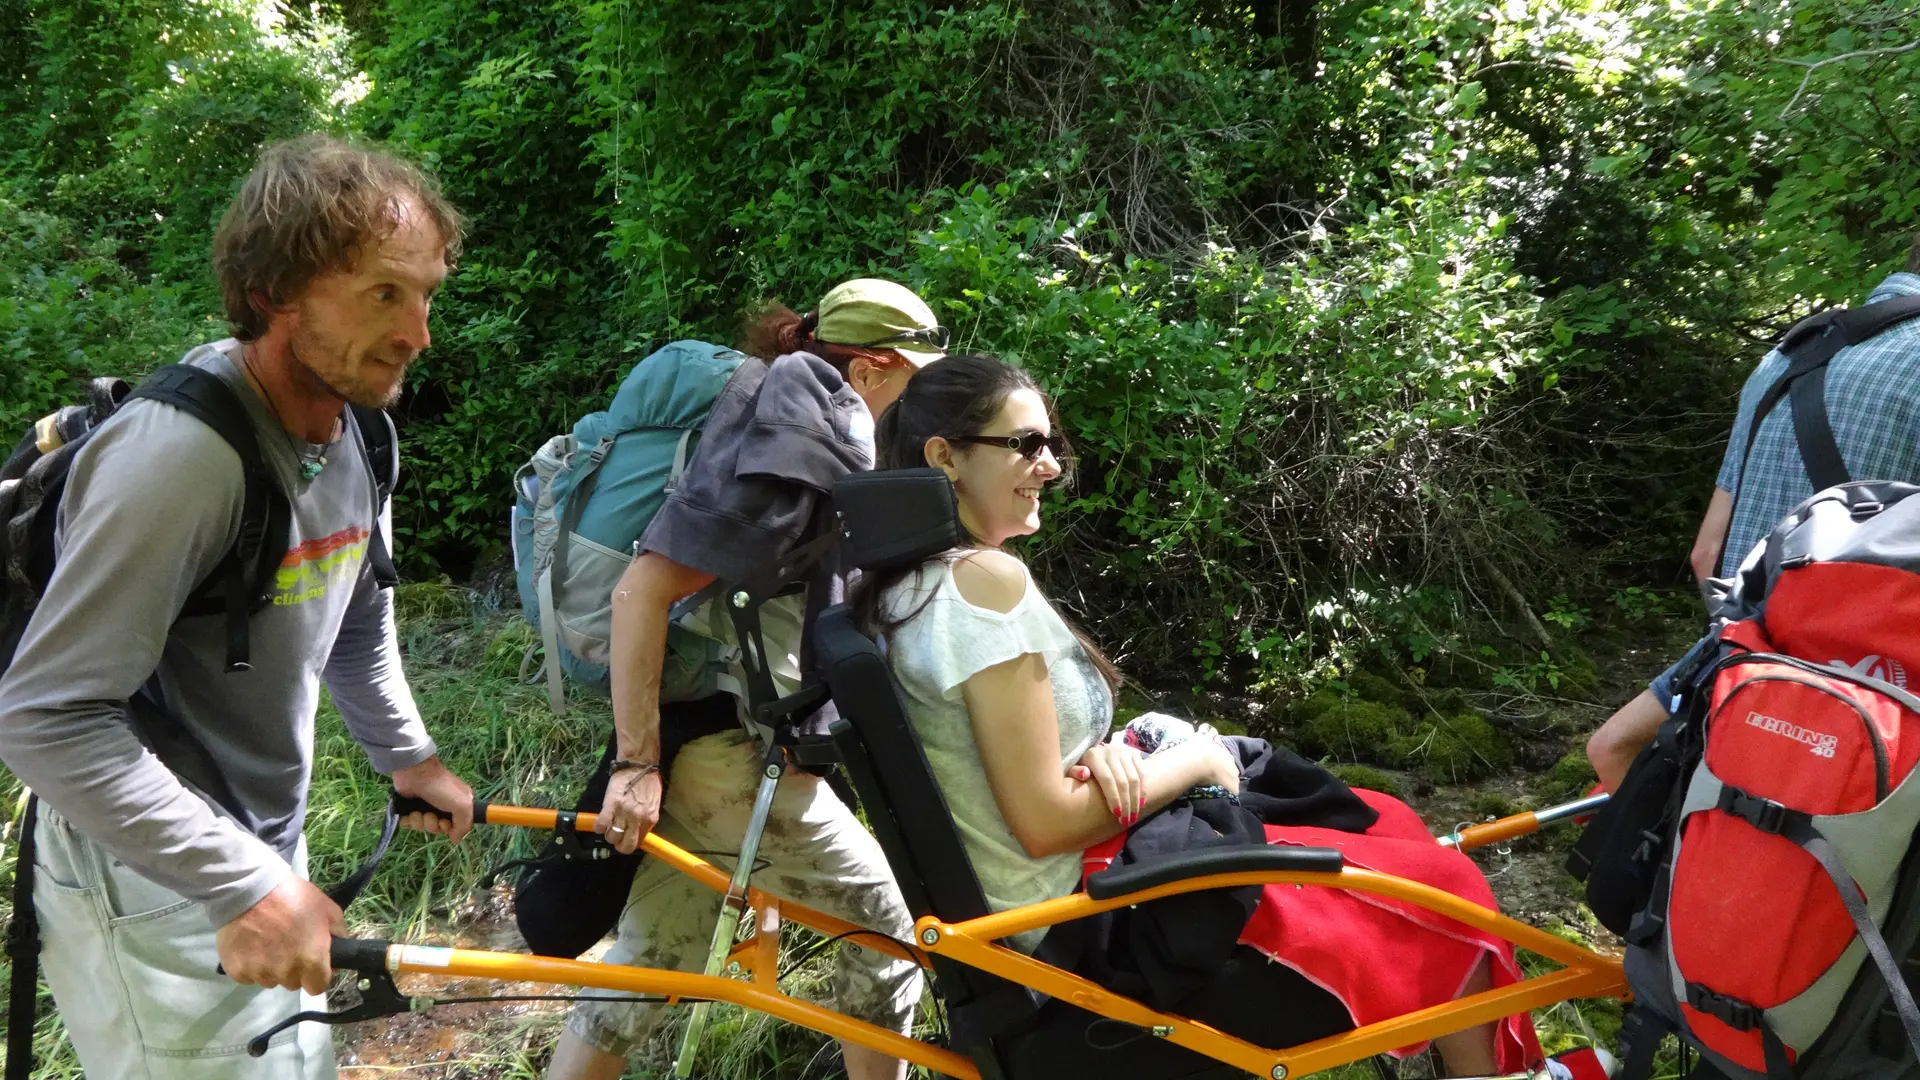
212 804
780 434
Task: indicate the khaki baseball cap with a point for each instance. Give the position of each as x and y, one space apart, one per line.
877 314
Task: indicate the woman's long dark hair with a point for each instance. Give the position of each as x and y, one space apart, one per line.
955 395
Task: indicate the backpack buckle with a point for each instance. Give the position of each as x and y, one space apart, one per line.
22 943
1731 1011
253 534
1763 814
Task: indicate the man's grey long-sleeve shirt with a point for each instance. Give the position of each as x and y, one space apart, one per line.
152 505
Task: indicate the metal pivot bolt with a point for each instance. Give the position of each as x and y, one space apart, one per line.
773 772
740 599
1279 1072
929 936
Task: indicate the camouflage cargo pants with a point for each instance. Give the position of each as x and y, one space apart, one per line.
814 852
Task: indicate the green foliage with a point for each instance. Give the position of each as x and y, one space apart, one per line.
69 308
1537 676
1637 604
1567 615
527 334
1369 340
127 130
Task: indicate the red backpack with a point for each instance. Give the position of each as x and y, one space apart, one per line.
1786 899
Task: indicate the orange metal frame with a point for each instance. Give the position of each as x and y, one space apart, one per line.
1583 972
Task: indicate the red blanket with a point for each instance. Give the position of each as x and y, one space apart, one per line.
1382 958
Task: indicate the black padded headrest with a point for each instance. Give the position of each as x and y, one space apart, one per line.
896 517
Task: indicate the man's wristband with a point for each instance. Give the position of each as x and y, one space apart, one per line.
623 765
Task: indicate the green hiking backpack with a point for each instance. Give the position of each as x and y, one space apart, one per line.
582 503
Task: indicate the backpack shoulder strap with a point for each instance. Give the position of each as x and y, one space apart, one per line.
23 949
265 515
1808 348
207 398
1859 324
382 445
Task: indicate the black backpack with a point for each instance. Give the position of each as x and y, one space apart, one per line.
32 481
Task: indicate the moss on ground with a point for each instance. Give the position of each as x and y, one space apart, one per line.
1453 748
1580 676
1366 776
507 648
1456 749
1381 688
1570 777
1350 728
418 601
1492 804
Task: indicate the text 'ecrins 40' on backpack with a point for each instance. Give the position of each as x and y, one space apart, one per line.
1785 901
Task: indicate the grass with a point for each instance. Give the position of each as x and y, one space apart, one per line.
463 661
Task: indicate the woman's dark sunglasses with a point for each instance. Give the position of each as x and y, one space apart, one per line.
1028 445
935 336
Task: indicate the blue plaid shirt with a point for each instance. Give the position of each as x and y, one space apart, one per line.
1873 403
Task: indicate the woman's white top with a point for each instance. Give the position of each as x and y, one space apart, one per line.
944 642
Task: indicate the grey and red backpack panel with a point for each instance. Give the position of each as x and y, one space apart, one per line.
1777 868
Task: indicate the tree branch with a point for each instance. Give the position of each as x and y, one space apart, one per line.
1815 65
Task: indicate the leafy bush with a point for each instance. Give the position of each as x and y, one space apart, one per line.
125 135
69 309
1378 325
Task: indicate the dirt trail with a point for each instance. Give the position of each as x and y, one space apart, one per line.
477 1041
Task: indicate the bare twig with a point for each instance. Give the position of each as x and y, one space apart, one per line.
1815 65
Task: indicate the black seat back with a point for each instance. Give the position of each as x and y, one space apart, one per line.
893 519
904 804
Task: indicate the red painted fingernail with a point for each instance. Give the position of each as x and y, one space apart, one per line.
1143 802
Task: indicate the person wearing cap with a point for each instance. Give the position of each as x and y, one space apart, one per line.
779 435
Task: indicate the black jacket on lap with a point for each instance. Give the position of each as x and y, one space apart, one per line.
1164 951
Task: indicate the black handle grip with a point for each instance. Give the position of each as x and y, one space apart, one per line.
1122 880
364 955
407 804
347 954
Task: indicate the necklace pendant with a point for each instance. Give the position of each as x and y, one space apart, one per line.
311 469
